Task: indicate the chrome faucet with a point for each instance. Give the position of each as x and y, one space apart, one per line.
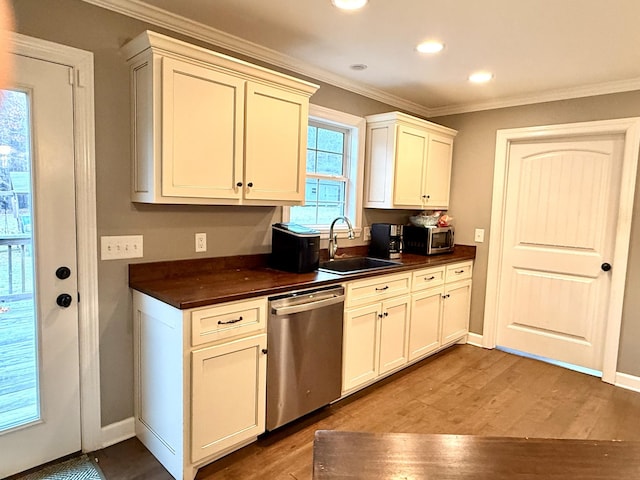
333 239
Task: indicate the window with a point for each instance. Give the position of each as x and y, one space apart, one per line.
335 157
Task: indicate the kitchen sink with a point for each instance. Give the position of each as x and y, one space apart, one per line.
345 266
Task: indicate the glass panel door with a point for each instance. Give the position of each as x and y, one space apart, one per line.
19 395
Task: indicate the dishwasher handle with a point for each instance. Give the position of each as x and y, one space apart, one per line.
305 307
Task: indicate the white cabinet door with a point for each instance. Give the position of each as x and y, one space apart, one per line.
426 311
228 395
394 333
438 172
276 144
360 346
202 131
412 146
457 301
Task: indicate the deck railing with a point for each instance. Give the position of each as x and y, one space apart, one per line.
18 285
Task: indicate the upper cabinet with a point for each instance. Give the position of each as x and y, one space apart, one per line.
211 129
408 163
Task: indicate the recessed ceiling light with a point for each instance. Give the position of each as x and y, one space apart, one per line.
480 77
430 47
358 66
349 4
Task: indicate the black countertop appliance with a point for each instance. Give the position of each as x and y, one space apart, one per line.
294 248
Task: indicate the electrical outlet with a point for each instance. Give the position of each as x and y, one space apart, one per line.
479 235
201 242
122 246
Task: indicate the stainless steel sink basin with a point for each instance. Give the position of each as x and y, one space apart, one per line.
345 266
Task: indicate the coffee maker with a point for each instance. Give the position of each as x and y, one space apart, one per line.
386 240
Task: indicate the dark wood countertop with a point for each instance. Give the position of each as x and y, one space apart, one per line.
208 281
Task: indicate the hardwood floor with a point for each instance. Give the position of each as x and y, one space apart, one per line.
463 390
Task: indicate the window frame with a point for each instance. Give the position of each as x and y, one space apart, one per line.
354 163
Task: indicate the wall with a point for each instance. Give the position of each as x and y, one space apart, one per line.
472 189
168 230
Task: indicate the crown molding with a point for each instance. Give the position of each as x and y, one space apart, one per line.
148 13
548 96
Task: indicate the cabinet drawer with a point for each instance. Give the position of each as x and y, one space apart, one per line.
367 291
228 320
458 271
427 278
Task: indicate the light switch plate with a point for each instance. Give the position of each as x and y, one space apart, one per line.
479 237
122 246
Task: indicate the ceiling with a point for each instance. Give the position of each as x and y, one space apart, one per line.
537 50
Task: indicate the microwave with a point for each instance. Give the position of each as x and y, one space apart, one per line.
429 240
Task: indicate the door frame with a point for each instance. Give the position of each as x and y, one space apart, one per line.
630 129
81 63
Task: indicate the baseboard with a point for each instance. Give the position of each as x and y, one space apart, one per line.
118 432
474 339
629 382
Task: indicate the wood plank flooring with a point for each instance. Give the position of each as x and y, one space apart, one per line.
463 390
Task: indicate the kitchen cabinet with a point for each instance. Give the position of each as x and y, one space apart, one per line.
200 380
440 302
408 163
211 129
376 327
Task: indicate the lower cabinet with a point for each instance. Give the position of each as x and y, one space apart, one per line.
200 380
375 339
440 302
418 313
227 395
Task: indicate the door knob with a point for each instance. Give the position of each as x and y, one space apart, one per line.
64 300
63 273
605 267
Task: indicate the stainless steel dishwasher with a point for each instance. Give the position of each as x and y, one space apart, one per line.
304 364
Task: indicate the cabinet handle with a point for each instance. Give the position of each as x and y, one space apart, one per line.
386 314
264 350
227 322
250 184
432 277
446 296
458 272
426 196
382 289
380 315
239 184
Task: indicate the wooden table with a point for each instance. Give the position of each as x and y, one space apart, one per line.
404 456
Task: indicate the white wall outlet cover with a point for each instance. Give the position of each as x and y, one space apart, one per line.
201 242
479 236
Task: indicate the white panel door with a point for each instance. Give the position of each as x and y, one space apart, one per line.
560 221
39 357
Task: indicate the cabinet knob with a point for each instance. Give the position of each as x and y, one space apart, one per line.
250 184
239 184
264 350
